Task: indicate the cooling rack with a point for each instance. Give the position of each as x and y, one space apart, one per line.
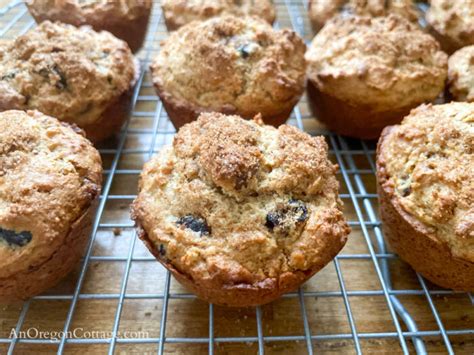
121 300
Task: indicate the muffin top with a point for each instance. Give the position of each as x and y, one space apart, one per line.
429 160
320 11
70 73
227 62
49 176
182 12
461 74
382 62
453 19
79 12
240 202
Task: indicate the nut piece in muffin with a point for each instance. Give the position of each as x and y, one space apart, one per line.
125 19
426 187
452 23
74 74
367 73
320 11
461 74
230 65
50 180
241 212
178 13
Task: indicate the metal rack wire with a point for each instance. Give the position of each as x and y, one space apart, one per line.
142 136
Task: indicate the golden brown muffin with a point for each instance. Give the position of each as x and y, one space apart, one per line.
230 65
320 11
125 19
74 74
461 74
240 212
50 177
452 23
367 73
426 187
178 13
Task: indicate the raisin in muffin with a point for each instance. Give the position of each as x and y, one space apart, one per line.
452 23
461 74
178 13
125 19
50 177
426 186
74 74
240 212
320 11
366 73
230 65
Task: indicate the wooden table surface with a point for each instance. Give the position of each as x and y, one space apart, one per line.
189 317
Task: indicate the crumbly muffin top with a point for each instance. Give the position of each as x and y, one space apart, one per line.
429 159
320 11
80 12
67 72
461 74
49 175
241 201
235 62
182 12
383 62
454 19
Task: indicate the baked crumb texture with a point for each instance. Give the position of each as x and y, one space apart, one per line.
452 23
74 74
50 178
125 19
366 73
461 74
230 65
320 11
178 13
241 212
426 183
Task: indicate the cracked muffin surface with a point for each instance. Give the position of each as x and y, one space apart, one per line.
461 74
73 74
236 205
452 22
181 12
320 11
231 65
49 177
126 19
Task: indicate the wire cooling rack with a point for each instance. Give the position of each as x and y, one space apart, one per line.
121 300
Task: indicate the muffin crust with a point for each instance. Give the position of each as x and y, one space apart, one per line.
461 74
230 65
76 75
125 19
373 69
50 179
178 13
452 23
425 174
241 212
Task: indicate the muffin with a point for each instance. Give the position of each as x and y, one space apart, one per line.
461 74
74 74
452 23
426 187
50 184
125 19
230 65
320 11
178 13
240 212
367 73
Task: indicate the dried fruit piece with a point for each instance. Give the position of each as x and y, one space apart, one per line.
15 239
287 216
196 224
